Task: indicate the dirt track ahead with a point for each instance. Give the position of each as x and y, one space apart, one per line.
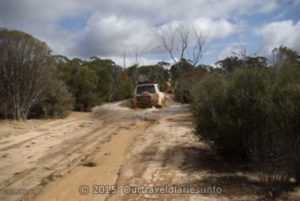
45 153
96 156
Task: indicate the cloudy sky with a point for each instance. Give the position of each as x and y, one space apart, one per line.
105 28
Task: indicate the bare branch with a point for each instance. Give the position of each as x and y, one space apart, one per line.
198 47
179 42
167 38
184 37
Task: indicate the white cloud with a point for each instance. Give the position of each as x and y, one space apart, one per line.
274 34
17 12
238 49
166 10
43 11
228 52
109 35
113 24
40 19
296 2
214 28
268 7
129 61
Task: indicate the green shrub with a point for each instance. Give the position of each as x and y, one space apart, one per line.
247 93
276 148
185 82
228 110
210 105
284 118
84 87
26 68
256 113
56 102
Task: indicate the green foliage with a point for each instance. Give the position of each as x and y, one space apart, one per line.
230 64
84 83
127 87
253 112
276 149
156 73
95 81
185 83
113 82
255 62
26 66
284 117
183 76
283 56
229 109
108 76
178 69
56 102
133 74
209 109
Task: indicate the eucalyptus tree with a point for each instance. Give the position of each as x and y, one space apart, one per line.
26 66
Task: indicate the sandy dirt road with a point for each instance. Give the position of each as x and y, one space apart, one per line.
85 148
117 153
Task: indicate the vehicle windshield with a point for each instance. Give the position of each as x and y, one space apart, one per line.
145 88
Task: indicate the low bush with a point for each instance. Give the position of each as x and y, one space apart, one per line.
185 82
253 113
228 109
56 102
209 106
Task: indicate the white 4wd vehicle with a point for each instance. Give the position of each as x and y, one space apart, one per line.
147 94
